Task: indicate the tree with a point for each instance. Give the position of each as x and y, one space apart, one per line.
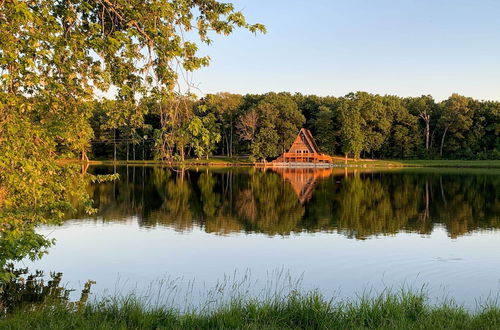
270 124
247 125
324 128
289 120
424 107
455 117
54 57
376 113
225 107
351 133
204 131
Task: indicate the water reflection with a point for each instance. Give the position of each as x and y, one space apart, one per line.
357 203
25 289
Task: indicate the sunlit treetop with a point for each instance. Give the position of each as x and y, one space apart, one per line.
132 44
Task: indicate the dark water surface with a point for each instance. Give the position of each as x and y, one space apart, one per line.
341 231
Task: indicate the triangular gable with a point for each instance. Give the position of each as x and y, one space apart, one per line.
311 140
304 139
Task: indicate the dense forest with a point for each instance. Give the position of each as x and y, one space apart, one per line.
263 126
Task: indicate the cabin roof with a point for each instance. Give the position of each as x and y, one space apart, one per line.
309 140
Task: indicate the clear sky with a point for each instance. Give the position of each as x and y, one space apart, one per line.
333 47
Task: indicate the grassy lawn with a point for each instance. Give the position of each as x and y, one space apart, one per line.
423 163
311 311
244 161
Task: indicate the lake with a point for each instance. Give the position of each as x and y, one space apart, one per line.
200 232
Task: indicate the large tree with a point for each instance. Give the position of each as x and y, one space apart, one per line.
351 133
425 108
55 56
225 107
455 117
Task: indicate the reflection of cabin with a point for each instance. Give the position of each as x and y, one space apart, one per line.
303 180
303 150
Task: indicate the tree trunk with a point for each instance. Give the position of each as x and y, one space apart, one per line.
427 134
442 141
346 158
127 151
226 142
114 144
231 139
427 119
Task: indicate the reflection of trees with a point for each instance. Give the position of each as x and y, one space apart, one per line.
270 205
356 203
174 193
466 204
370 205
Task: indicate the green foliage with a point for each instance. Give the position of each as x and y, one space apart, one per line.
55 57
456 119
351 133
325 134
361 124
278 121
204 131
225 107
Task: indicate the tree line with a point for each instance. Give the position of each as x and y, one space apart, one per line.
264 126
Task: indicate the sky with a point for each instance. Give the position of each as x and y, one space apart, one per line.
333 47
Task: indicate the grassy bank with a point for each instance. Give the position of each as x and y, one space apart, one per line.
388 311
243 161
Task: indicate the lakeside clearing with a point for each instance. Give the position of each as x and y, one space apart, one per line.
310 311
338 162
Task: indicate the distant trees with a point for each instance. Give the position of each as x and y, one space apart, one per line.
263 126
278 121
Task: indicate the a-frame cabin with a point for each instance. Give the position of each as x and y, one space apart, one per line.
303 150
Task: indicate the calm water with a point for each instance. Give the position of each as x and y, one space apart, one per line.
341 231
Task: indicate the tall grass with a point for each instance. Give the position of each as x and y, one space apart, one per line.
236 303
401 310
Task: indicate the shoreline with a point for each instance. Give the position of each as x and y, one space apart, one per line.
368 163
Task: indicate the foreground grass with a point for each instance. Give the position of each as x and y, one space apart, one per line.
311 311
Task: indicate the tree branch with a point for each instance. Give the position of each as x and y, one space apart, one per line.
134 23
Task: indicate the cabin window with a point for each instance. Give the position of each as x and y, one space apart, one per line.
304 151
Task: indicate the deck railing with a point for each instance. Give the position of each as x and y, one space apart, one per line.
305 156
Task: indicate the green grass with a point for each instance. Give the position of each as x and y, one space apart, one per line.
426 163
244 161
295 311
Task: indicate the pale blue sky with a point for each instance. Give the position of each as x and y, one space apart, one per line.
331 47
